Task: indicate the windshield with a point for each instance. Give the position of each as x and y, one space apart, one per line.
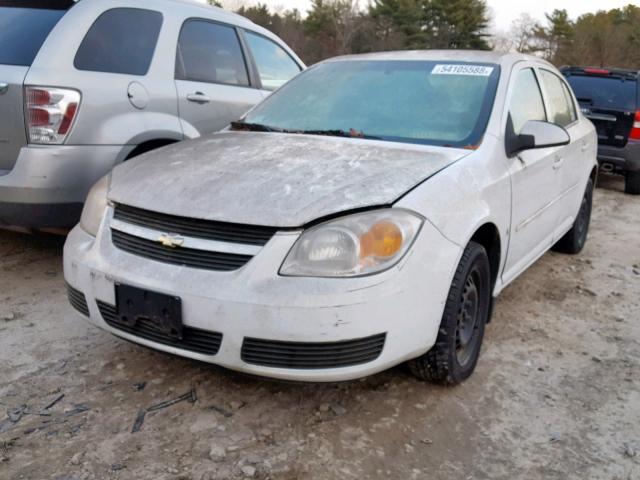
23 31
436 103
605 92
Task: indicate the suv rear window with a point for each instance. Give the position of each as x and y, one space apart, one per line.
121 40
23 31
605 92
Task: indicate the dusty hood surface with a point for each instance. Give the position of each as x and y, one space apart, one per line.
273 179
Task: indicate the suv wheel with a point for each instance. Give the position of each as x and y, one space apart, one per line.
455 354
632 183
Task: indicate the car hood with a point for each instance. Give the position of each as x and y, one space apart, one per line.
274 179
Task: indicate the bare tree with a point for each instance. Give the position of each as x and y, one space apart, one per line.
521 37
501 42
346 22
332 26
523 34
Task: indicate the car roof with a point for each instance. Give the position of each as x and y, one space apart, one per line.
482 56
206 7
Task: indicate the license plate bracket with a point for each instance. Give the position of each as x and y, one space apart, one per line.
159 311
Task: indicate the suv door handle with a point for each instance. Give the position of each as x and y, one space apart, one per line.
557 162
199 98
585 146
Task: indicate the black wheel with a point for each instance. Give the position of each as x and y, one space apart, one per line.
455 354
632 183
574 240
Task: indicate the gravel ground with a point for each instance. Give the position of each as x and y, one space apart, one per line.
556 394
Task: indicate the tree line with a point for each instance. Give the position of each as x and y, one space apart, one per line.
338 27
602 39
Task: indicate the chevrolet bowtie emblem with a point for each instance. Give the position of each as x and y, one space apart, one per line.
170 241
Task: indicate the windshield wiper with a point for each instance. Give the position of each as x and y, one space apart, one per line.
352 133
253 127
259 127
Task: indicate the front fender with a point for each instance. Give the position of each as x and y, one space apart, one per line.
465 196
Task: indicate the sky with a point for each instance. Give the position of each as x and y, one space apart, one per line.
503 12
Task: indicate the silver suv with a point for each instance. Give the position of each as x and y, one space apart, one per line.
87 85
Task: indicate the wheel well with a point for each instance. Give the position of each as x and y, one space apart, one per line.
489 237
149 145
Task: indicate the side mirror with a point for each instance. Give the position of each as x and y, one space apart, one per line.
535 134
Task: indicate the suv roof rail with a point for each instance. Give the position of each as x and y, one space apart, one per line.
200 4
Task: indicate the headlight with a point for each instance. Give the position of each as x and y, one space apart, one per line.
351 246
95 207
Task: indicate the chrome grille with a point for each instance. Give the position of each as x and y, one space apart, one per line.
192 227
187 257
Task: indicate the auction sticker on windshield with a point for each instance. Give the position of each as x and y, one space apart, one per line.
475 70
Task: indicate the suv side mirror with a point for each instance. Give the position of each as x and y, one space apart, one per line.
535 134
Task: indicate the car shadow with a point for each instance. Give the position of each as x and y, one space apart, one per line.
611 181
13 243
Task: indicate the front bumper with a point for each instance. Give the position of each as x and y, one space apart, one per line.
625 159
48 184
404 304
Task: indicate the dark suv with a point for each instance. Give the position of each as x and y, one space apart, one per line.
610 98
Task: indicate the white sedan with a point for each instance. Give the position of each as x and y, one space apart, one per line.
365 215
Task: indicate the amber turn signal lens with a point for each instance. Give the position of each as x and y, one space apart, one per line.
355 245
383 240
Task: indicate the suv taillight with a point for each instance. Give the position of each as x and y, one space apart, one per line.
635 131
50 113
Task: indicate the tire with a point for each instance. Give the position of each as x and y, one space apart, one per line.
574 240
455 354
632 183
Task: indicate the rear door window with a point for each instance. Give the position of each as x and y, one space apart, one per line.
560 105
275 65
121 40
526 100
23 31
605 92
211 53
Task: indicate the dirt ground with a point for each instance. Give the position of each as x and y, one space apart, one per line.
556 394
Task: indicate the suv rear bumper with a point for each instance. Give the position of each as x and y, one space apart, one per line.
626 158
48 184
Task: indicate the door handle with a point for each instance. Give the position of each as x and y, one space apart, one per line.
557 163
199 98
585 146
